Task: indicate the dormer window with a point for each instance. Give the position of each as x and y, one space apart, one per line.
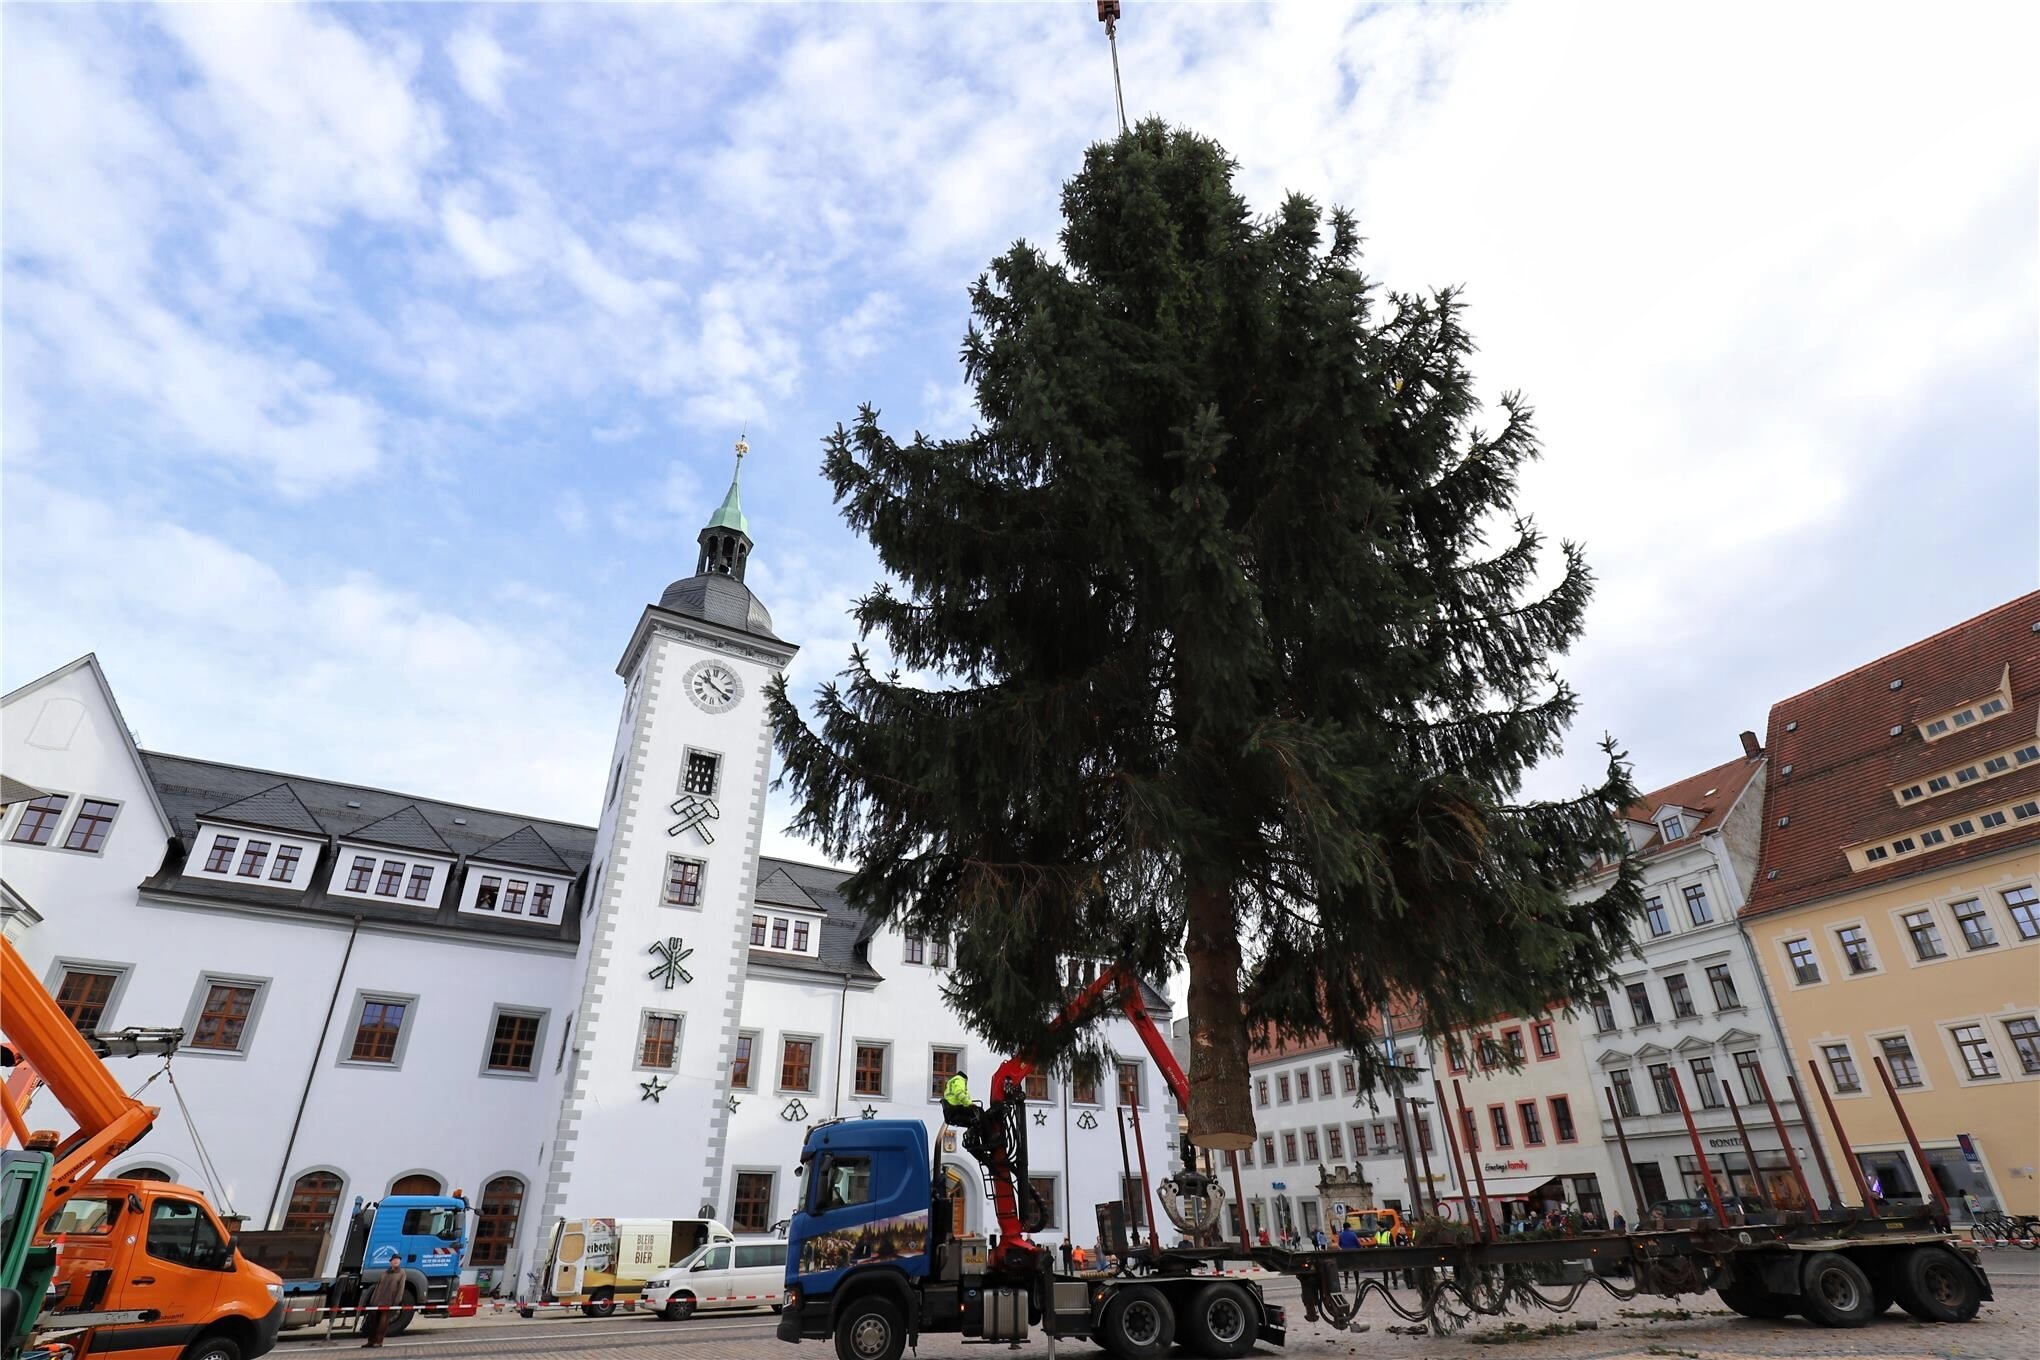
1965 717
1940 783
786 934
247 858
1990 708
1673 827
1938 727
1912 791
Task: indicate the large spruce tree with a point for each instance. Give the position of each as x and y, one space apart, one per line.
1219 642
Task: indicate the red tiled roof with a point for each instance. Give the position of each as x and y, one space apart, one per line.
1844 760
1711 793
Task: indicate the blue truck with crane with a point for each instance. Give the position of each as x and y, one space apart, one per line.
872 1263
426 1234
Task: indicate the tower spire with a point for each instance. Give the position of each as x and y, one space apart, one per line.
726 538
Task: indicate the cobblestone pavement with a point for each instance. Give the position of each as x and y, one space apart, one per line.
1694 1328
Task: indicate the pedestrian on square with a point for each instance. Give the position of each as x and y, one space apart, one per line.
1349 1240
384 1296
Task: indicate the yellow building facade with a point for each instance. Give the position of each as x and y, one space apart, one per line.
1896 913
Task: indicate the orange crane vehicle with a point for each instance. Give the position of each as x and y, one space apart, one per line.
88 1265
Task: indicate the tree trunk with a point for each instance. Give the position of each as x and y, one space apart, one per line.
1221 1110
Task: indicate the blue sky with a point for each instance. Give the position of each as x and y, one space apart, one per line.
368 369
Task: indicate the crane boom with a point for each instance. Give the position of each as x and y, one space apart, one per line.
109 1119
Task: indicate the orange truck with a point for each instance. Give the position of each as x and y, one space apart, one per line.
92 1266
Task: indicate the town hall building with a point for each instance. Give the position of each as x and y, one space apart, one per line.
383 993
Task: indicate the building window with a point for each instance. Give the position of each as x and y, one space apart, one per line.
1268 1149
1129 1083
541 901
1748 1066
2026 809
1639 1004
1932 836
916 949
1561 1119
1045 1197
1926 936
1347 1082
219 860
1899 1060
1722 982
800 937
1498 1117
83 996
223 1017
496 1223
377 1030
1682 996
1937 727
1661 1087
1512 1044
1841 1067
683 882
1911 792
1903 845
1875 853
1654 914
1381 1137
659 1041
2025 755
740 1063
253 858
1965 827
1335 1142
700 777
1261 1092
1855 942
313 1198
2025 1036
514 1045
486 895
1423 1132
1981 1063
1533 1124
1324 1081
1704 1084
943 1063
1282 1088
390 879
939 951
751 1210
1604 1014
870 1079
1490 1051
1247 1155
1805 967
1303 1084
1940 783
796 1064
39 822
1992 820
1697 906
1289 1149
1965 717
758 931
1997 764
1966 776
1469 1129
513 896
284 868
88 829
1083 1090
357 877
1547 1039
420 886
1310 1145
1674 827
779 932
1455 1054
1625 1092
1990 706
2024 904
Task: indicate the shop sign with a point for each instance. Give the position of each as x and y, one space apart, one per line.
1500 1168
1731 1141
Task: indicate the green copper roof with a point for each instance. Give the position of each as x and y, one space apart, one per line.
730 514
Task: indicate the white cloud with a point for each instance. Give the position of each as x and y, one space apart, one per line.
863 332
480 64
572 509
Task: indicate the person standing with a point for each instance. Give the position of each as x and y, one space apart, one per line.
385 1296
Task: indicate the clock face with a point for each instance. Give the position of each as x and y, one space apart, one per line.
713 686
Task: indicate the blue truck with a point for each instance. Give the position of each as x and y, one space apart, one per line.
871 1264
427 1233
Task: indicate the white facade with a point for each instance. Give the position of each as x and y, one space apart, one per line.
1693 1001
339 1040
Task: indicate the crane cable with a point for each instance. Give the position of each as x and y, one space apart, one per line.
1108 15
214 1183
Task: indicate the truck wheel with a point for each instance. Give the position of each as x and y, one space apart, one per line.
213 1348
1220 1322
870 1329
677 1309
1746 1295
1834 1291
1138 1324
600 1304
1935 1285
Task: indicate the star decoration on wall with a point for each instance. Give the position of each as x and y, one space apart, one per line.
732 1102
870 1112
671 957
652 1088
793 1112
1041 1119
1087 1120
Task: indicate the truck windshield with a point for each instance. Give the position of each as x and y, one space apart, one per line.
84 1218
443 1223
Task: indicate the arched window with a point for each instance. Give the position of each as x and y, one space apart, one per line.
417 1183
313 1198
496 1230
145 1173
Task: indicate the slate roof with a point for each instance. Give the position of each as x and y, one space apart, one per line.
1844 760
843 932
524 848
275 808
404 829
719 599
777 889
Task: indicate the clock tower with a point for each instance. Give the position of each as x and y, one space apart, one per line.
644 1101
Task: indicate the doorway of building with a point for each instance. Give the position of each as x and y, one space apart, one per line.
417 1183
1653 1182
953 1181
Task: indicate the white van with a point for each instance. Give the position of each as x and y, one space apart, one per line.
720 1275
599 1263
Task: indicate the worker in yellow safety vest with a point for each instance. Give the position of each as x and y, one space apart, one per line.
956 1106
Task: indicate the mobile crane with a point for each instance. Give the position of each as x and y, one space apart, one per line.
142 1267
